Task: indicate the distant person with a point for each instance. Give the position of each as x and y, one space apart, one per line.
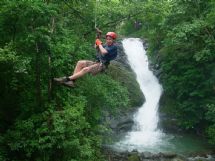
106 53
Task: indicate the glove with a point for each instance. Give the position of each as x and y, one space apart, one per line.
98 42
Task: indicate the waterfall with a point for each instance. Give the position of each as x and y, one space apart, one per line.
145 134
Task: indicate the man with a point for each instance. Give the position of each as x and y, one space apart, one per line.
107 52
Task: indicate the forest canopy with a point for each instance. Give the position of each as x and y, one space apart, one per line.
42 39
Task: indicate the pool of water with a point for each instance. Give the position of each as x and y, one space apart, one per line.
185 144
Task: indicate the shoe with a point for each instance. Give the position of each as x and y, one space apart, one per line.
61 80
69 83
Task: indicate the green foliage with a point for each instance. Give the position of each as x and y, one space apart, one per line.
181 41
134 157
53 134
210 133
11 67
39 120
210 116
44 39
127 79
109 14
102 93
186 55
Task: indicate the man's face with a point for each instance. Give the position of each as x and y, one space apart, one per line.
109 40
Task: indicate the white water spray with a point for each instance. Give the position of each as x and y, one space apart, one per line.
145 134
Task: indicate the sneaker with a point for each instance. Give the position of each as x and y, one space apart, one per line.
61 80
69 83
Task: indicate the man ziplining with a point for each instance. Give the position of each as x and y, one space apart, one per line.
106 53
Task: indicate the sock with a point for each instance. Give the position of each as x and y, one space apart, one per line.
68 79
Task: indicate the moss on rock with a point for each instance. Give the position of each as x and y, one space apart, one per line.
127 78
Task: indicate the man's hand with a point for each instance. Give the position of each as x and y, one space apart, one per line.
98 42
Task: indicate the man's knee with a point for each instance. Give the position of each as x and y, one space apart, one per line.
86 70
81 63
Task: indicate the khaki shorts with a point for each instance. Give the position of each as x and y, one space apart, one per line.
95 67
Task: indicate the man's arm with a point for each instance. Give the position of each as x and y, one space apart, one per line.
98 44
102 50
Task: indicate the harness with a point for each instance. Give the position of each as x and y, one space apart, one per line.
111 55
100 60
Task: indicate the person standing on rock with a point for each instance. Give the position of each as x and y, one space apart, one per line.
106 53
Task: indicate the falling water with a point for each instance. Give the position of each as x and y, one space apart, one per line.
145 134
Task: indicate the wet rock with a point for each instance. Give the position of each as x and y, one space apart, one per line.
146 155
123 124
134 157
169 155
141 156
120 123
122 58
202 158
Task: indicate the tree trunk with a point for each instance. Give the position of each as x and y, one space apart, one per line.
49 62
38 75
50 76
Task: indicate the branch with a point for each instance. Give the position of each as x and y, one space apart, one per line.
113 23
76 12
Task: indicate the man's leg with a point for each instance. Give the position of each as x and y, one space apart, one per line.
82 67
79 66
81 73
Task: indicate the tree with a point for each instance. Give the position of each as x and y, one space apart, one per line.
39 120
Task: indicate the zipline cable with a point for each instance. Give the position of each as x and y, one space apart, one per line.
96 13
98 32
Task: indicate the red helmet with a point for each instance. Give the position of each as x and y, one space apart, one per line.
111 34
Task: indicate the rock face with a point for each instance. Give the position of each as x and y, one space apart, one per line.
121 123
122 58
122 120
